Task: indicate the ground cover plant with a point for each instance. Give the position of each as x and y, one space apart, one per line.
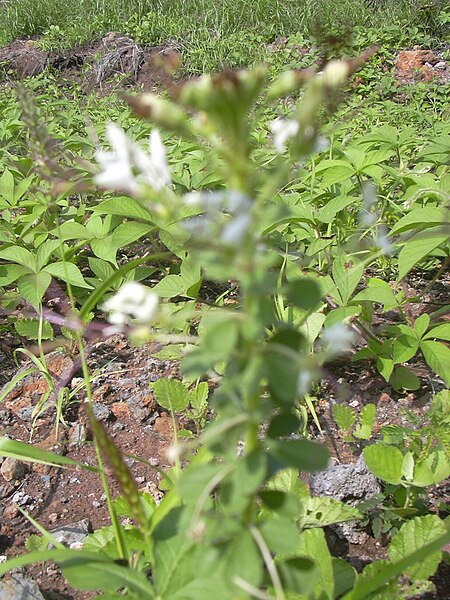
259 223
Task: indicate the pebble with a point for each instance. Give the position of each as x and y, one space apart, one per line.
440 65
154 461
12 469
77 435
21 498
101 411
72 533
25 413
18 588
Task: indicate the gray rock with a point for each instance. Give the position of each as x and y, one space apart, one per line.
441 65
351 484
73 534
20 588
25 413
101 411
78 435
345 482
137 409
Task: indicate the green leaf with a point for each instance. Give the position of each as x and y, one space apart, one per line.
313 545
418 248
412 536
29 453
303 293
437 356
281 535
67 272
334 171
124 207
301 454
433 469
321 512
404 379
344 576
219 335
199 396
283 424
426 217
171 394
29 328
333 206
33 286
378 578
344 416
441 332
367 417
377 291
422 323
385 462
385 367
10 273
243 559
297 574
19 255
346 276
404 347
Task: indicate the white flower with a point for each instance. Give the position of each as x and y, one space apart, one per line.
283 130
383 242
174 453
117 170
304 381
338 337
335 73
233 234
133 301
127 165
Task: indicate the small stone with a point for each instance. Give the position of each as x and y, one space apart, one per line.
46 480
442 65
12 469
354 403
154 461
21 498
72 532
120 409
20 587
25 413
77 436
137 410
118 426
101 411
10 512
140 480
96 504
53 517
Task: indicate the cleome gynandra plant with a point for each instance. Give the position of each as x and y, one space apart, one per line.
236 522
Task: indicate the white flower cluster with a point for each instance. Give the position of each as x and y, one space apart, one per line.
126 167
213 204
369 216
338 338
132 303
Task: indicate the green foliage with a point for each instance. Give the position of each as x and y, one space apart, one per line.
281 242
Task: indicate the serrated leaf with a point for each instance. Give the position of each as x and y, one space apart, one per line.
29 328
385 462
437 356
412 536
344 416
171 394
